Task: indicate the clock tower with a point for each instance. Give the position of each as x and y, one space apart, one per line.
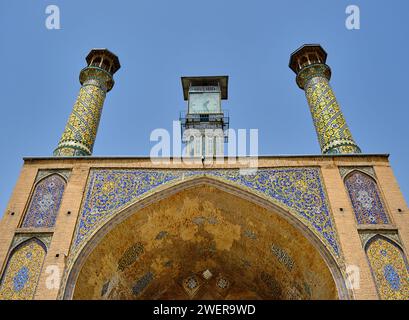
205 124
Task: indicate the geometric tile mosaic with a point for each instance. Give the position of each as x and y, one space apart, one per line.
191 285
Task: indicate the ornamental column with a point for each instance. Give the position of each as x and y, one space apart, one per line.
313 75
96 79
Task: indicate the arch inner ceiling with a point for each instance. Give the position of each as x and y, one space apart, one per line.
204 243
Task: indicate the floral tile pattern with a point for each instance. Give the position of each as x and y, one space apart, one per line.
23 269
389 268
300 190
45 203
366 199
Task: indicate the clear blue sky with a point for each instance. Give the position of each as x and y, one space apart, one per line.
159 41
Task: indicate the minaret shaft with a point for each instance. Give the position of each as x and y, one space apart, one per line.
313 76
333 133
81 129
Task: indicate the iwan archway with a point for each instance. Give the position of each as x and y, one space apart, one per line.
204 239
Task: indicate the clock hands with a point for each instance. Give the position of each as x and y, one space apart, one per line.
205 105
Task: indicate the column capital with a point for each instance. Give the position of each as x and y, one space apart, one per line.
308 62
312 71
98 77
101 66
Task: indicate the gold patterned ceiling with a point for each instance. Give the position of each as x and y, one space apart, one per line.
204 243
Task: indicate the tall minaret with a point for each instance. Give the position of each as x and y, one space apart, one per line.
313 76
82 126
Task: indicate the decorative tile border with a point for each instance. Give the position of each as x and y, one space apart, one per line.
19 238
344 171
65 173
367 235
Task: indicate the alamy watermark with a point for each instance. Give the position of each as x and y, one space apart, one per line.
54 277
52 21
353 20
353 277
206 147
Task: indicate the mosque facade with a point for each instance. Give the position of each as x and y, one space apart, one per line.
333 225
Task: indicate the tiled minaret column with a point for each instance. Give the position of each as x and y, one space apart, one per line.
313 76
82 126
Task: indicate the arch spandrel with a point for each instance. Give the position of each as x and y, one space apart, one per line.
299 191
247 247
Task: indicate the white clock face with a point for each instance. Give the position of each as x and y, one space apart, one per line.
204 102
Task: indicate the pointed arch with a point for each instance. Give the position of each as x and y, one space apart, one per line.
22 271
45 202
77 261
366 198
389 267
60 173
